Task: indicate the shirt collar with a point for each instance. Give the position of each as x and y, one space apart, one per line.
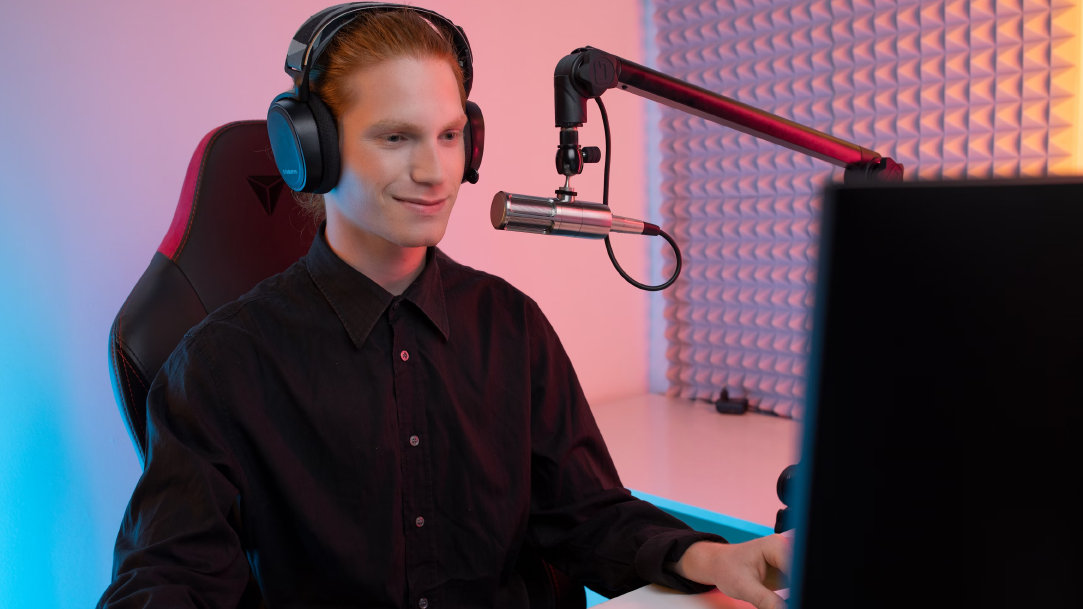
359 301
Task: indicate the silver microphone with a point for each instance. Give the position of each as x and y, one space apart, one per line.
548 216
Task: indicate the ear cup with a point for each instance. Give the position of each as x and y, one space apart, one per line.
474 141
327 131
304 141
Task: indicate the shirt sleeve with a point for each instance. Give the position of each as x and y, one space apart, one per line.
178 544
582 518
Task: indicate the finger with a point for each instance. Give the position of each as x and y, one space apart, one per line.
763 598
775 579
777 551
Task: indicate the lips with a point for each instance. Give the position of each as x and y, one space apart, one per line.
424 206
423 202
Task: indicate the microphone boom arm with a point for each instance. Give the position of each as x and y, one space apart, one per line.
587 72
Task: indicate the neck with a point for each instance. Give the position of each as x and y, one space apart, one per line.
391 266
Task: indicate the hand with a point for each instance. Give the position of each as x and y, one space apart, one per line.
748 571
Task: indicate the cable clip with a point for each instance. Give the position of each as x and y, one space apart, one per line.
726 405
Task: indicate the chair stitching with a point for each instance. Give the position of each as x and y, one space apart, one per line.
135 373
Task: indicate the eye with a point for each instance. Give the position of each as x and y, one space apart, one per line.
393 138
451 136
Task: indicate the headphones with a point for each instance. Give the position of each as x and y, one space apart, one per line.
302 130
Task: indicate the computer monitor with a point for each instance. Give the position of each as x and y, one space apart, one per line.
943 443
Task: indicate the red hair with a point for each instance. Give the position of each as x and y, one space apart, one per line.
375 37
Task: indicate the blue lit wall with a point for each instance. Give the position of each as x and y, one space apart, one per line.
65 466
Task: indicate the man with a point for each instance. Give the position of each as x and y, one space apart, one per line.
378 425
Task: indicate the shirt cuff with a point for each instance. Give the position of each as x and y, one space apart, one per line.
666 548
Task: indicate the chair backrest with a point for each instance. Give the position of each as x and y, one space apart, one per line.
235 224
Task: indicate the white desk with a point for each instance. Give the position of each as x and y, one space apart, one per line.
657 597
687 452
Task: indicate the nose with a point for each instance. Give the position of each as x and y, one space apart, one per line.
427 166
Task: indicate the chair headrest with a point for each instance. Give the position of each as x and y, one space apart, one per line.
236 222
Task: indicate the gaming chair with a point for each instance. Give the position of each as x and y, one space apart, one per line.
235 224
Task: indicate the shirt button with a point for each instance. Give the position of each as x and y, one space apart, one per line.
423 603
414 440
419 521
405 355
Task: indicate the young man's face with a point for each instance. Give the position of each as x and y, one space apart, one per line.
402 154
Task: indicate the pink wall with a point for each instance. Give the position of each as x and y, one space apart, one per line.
601 319
103 106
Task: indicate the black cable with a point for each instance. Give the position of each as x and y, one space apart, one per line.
605 201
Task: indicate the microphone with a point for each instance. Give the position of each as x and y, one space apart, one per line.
564 216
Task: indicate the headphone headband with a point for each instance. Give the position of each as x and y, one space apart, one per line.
315 34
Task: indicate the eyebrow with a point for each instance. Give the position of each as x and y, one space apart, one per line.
394 125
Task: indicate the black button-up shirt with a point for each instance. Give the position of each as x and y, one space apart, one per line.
347 447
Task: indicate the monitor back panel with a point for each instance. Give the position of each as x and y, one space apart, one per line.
943 445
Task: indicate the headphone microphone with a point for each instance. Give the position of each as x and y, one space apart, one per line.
302 129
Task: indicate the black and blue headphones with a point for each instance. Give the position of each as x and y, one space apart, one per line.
303 132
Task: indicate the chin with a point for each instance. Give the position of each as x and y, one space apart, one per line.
422 240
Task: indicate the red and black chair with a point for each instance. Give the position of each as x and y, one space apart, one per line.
236 223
